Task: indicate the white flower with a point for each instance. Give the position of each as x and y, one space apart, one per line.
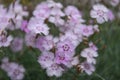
37 26
54 70
100 12
89 54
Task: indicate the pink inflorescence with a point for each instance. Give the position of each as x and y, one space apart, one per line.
58 53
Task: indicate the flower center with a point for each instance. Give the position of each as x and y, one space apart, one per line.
86 30
65 47
100 13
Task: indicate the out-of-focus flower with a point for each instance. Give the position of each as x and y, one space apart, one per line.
54 70
24 26
5 40
114 2
38 27
89 54
5 64
60 58
4 17
100 13
74 16
17 44
42 11
75 60
96 28
17 9
30 39
111 15
66 47
46 59
17 12
14 70
45 42
86 30
93 46
87 67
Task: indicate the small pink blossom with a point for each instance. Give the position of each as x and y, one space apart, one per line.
88 68
46 59
54 70
86 30
114 2
5 41
89 54
111 15
66 47
100 13
17 44
38 27
24 26
93 46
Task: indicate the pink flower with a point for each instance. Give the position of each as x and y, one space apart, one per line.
13 70
38 27
4 17
5 41
75 60
45 42
60 58
16 71
87 67
72 11
46 59
54 70
89 54
74 16
24 26
17 9
5 64
66 47
39 43
17 44
100 13
56 14
114 2
111 15
93 46
96 28
30 39
57 20
42 11
86 30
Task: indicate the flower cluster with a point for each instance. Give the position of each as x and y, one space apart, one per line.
57 53
10 19
14 70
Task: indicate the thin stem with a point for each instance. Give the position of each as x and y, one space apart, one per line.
99 76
